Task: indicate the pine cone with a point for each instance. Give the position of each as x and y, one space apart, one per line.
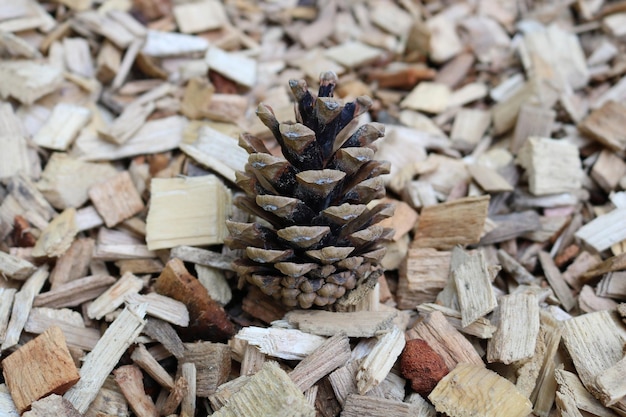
320 242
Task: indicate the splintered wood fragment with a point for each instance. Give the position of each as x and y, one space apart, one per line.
58 236
6 303
7 406
556 281
200 16
489 179
362 405
27 81
130 380
357 324
352 54
22 305
595 344
99 363
234 66
553 166
589 302
215 283
62 127
15 268
377 364
175 397
197 219
253 360
458 222
608 170
473 286
448 342
128 123
281 343
270 392
70 323
429 97
570 386
74 263
116 199
75 292
14 156
161 307
114 296
471 390
531 121
212 363
511 225
55 370
202 257
165 334
469 127
343 381
612 285
154 136
514 268
605 125
52 405
542 395
423 274
611 383
614 263
188 403
206 316
605 230
217 151
481 328
108 62
109 400
330 355
518 327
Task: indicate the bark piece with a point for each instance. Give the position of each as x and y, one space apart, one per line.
357 324
470 390
330 355
202 206
116 199
212 363
55 371
130 380
459 222
518 328
420 364
208 318
440 335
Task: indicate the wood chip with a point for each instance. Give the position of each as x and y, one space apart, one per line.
469 389
116 199
357 324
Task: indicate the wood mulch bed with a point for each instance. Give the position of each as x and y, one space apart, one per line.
505 281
